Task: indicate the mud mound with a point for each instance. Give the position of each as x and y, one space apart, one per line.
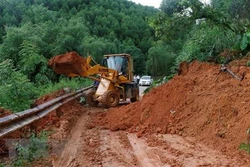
53 118
63 118
48 97
202 102
68 63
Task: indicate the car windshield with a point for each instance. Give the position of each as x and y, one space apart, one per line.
146 77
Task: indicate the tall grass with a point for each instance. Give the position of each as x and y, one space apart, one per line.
73 83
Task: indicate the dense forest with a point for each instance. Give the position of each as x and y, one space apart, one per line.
32 31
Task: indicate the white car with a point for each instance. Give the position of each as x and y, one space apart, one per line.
145 80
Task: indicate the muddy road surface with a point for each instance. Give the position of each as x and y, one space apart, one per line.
87 145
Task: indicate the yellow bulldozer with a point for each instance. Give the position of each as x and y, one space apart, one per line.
114 76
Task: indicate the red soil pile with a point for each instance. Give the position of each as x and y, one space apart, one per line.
52 118
63 118
68 63
48 97
200 102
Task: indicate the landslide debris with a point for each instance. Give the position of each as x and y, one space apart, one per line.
200 102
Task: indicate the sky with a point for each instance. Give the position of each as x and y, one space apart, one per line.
156 3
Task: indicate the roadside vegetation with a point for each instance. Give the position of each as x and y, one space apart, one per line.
29 150
246 145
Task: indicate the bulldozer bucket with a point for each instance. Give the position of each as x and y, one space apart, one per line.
69 63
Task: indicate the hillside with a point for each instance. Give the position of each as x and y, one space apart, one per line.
31 32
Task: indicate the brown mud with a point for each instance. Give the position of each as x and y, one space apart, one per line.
201 102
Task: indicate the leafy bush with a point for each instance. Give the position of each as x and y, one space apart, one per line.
206 43
73 83
16 91
34 148
32 64
245 41
245 147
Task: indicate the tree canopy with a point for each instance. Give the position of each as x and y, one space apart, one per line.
31 32
193 30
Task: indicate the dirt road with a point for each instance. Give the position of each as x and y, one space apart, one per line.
87 145
142 89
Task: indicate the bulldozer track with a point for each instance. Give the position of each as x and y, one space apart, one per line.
21 119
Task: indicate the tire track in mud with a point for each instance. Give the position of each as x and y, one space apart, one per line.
116 150
95 147
67 157
186 152
145 154
82 146
125 149
90 146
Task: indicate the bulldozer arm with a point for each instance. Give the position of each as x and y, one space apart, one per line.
72 64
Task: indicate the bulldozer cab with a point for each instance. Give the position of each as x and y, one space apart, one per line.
121 63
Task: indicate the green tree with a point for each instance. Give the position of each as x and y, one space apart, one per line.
70 36
161 60
171 6
31 32
206 42
16 91
32 63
